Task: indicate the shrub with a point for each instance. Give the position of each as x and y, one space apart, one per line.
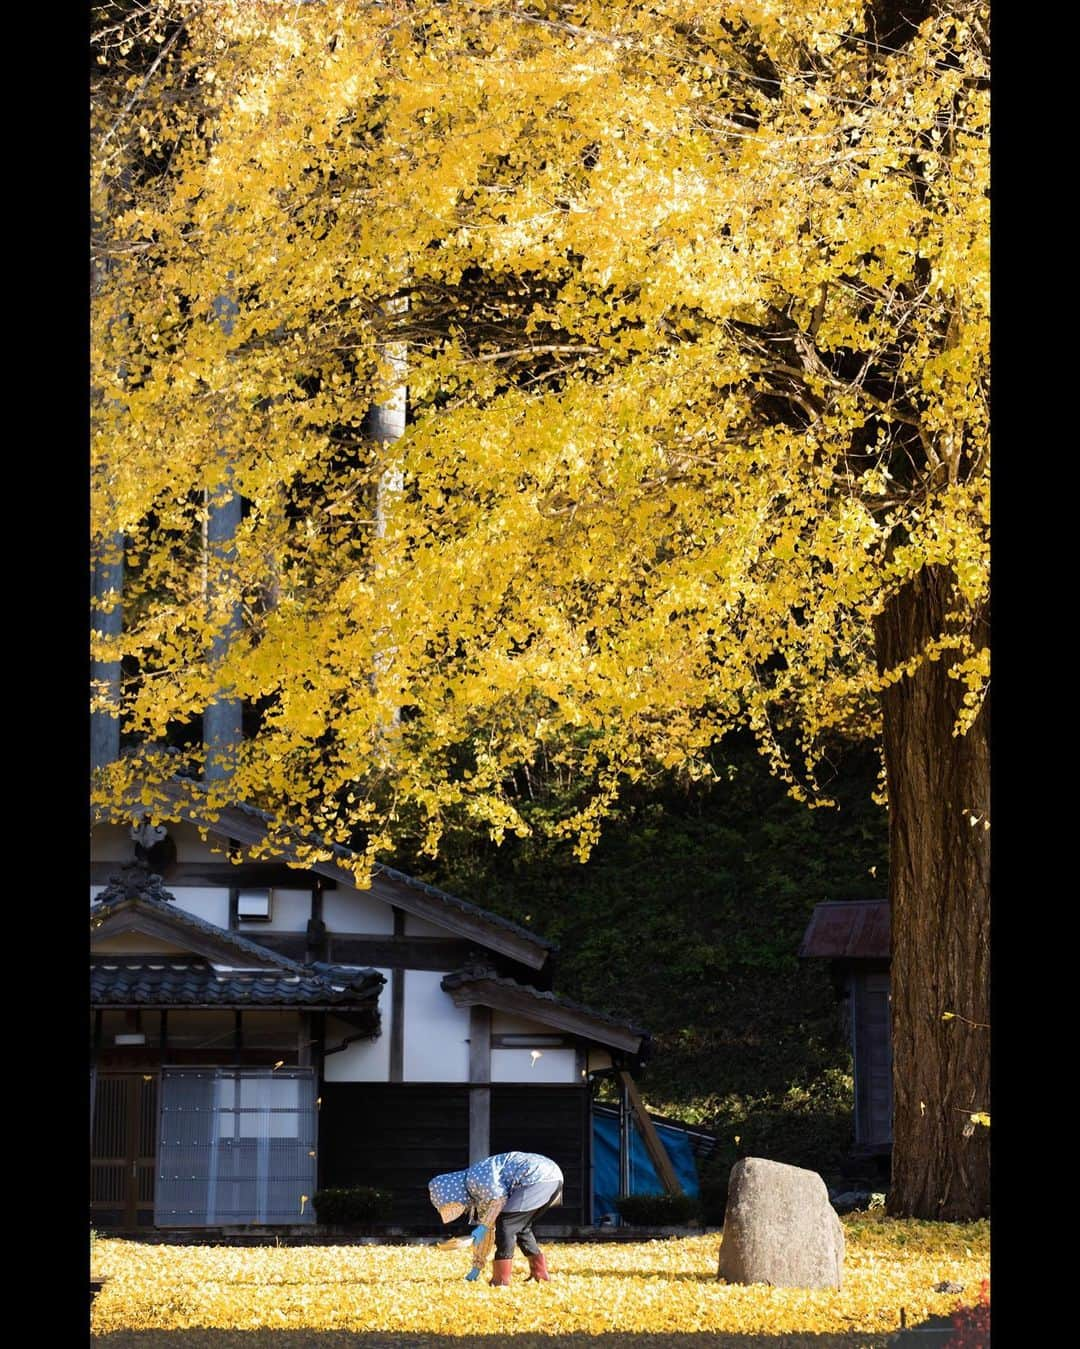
971 1325
657 1210
359 1204
714 1191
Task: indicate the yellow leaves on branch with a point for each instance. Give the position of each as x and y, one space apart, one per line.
697 378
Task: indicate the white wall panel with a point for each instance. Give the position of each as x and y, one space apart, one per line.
436 1032
518 1065
363 1060
192 847
211 903
357 911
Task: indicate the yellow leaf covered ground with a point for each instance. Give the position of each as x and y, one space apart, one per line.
621 1296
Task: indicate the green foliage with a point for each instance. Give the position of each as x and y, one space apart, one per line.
657 1210
716 883
359 1204
713 1185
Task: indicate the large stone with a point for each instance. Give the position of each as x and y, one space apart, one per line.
779 1228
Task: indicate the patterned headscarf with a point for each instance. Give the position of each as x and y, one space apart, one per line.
449 1195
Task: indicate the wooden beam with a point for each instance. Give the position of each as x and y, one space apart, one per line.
219 874
656 1150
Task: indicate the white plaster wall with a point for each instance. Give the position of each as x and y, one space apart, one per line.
211 903
517 1065
363 1060
290 911
419 927
357 912
192 847
436 1032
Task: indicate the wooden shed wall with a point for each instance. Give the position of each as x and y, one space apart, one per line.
553 1120
398 1135
395 1136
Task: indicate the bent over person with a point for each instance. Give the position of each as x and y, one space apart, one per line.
503 1195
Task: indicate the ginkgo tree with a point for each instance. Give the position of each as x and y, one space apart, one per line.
691 302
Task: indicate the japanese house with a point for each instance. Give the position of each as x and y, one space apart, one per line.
260 1032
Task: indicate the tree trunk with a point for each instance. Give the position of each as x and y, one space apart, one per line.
939 887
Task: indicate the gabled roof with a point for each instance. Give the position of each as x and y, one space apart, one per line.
152 911
221 969
479 986
246 825
854 929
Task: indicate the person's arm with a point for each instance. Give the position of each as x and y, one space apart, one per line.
483 1236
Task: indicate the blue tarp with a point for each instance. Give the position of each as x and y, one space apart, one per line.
643 1177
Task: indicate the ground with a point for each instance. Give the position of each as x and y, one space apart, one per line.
660 1294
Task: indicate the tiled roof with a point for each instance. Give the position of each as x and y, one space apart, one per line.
463 904
183 920
187 791
164 981
481 977
432 891
205 980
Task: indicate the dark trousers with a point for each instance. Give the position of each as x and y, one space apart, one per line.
517 1227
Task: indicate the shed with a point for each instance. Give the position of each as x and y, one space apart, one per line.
854 936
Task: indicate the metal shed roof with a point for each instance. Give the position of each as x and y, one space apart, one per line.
853 929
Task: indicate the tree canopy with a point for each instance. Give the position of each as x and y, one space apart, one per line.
691 302
695 305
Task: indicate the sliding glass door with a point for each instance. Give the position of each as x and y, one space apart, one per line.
237 1146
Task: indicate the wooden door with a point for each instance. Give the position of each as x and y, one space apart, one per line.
123 1150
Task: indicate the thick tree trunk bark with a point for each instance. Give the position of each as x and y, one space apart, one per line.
939 886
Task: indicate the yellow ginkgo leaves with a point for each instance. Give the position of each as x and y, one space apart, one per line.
652 1289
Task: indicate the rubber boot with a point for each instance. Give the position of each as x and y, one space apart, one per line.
500 1273
538 1269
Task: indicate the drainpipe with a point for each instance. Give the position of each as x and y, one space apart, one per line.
222 728
107 621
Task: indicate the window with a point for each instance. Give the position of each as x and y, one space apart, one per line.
253 904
